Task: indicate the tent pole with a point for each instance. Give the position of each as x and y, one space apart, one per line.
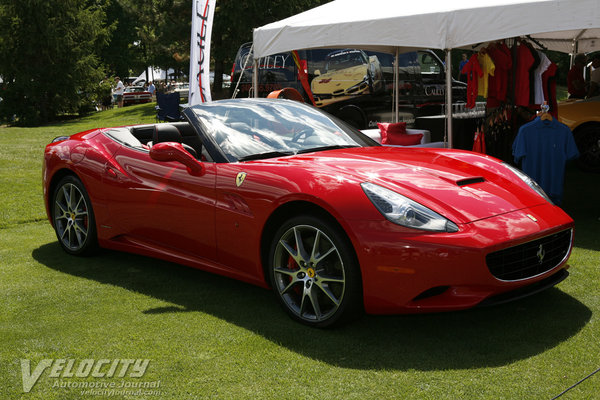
255 77
396 78
449 97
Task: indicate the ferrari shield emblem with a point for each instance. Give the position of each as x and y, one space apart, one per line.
239 179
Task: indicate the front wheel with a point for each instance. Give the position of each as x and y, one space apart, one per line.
73 217
314 272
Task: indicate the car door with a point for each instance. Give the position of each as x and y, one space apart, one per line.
161 204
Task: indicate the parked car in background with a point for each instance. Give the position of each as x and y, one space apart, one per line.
347 72
360 92
136 95
183 89
583 117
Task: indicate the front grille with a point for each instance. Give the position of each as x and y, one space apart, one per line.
531 258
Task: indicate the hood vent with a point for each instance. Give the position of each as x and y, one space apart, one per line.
470 181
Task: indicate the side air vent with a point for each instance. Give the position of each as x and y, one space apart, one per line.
470 181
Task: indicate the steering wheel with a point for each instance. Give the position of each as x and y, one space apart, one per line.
305 132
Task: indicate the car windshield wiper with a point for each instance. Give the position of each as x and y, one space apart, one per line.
269 154
331 147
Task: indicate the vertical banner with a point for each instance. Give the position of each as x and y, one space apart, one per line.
302 66
202 20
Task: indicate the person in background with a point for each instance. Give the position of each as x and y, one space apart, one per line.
118 92
462 77
594 89
151 88
575 80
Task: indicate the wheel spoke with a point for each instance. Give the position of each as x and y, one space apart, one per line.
80 228
286 289
72 197
78 236
303 303
62 209
299 244
292 252
70 229
328 293
78 203
315 302
286 271
66 196
62 236
327 278
323 256
315 248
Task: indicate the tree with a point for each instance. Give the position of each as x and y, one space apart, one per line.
48 57
124 52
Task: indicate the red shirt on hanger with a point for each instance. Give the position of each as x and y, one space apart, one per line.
473 71
524 61
499 82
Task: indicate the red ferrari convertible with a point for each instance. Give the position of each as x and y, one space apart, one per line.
283 195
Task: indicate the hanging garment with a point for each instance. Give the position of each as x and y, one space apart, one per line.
537 78
498 83
487 69
536 63
543 147
549 86
524 62
473 71
479 141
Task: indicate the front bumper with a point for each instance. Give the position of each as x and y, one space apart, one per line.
405 271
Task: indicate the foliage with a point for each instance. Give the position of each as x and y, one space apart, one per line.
48 57
124 53
158 33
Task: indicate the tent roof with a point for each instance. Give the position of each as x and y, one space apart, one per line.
388 24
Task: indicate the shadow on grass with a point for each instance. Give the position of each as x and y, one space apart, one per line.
582 193
468 339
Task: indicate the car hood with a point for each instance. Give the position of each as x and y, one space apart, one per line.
460 185
337 80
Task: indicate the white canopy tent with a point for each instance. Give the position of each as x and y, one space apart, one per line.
154 74
397 26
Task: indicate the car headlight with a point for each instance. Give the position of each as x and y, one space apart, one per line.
530 182
403 211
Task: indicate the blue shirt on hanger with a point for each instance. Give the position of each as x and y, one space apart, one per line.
543 147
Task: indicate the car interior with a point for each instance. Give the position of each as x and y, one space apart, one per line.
144 136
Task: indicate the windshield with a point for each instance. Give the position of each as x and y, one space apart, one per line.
344 59
247 129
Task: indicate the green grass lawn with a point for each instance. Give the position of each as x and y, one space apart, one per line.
212 337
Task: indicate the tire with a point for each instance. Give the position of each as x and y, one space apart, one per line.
319 285
588 142
73 217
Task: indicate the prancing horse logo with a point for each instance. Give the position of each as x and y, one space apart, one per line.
239 179
540 254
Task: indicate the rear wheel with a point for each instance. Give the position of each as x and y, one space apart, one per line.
73 217
314 272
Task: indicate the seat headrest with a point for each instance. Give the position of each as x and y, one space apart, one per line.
166 133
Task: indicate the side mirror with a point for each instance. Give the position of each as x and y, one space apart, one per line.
317 72
172 151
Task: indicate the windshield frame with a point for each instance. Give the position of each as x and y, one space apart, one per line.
352 136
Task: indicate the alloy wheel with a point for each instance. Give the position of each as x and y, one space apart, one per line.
309 273
71 217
